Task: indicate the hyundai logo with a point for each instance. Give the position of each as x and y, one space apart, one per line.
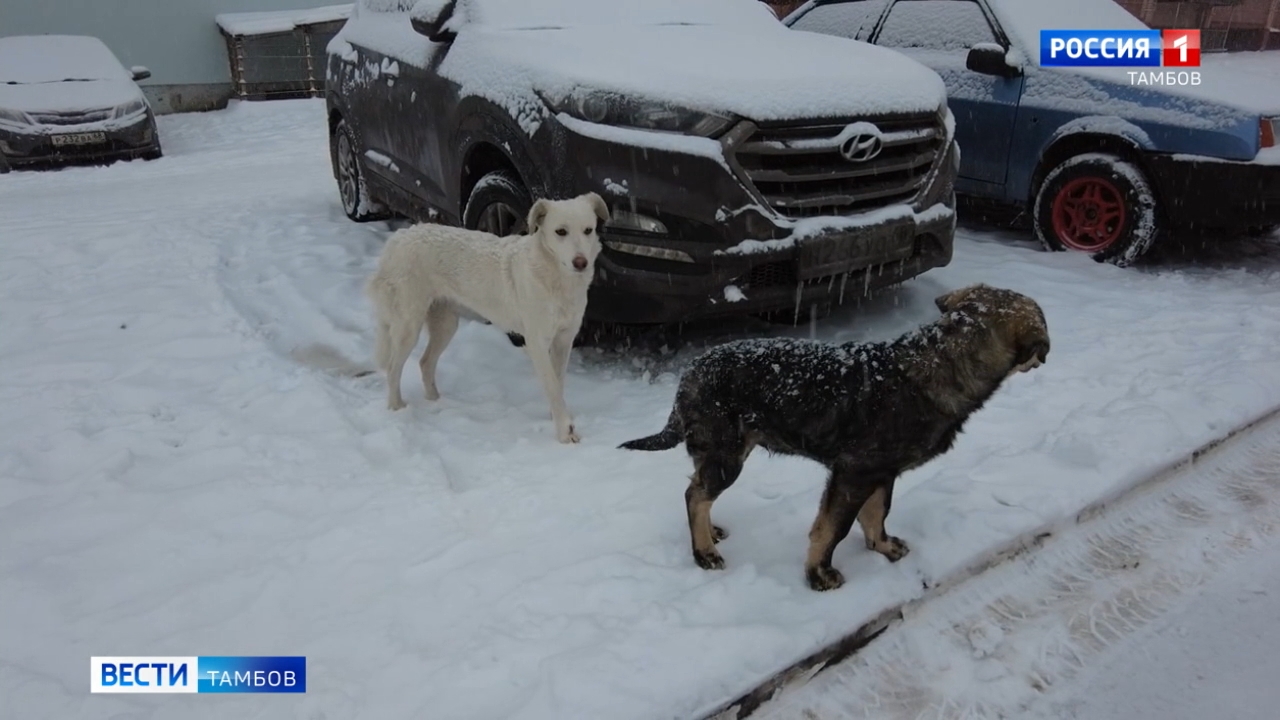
861 147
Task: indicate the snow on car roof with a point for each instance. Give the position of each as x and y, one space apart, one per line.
584 13
280 21
28 59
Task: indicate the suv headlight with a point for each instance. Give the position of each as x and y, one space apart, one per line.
947 120
14 117
134 107
614 109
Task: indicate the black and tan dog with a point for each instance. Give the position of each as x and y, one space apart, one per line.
869 412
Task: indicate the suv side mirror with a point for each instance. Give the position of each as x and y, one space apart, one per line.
139 72
989 59
429 18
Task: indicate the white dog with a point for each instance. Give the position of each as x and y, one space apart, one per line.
534 285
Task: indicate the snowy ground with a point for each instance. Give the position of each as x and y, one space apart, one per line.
187 467
1164 605
1214 656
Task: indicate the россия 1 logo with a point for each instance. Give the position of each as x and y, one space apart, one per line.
1120 48
1126 48
204 674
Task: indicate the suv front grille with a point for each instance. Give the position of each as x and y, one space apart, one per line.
72 118
800 172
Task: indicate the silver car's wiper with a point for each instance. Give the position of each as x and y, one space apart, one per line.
51 82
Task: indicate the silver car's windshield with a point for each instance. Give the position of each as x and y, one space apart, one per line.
35 59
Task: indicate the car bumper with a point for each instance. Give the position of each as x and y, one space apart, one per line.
117 143
1208 192
738 255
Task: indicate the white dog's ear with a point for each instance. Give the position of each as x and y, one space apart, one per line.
598 204
537 214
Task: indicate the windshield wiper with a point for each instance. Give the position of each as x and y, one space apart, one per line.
51 82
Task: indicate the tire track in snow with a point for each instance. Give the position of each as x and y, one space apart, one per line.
996 646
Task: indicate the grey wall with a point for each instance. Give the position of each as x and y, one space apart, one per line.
177 40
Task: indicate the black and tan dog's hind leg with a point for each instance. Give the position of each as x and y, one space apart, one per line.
714 473
871 518
849 496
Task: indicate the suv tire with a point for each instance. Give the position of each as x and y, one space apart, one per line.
1100 204
498 204
352 188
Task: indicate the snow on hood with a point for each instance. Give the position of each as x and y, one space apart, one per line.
1230 88
53 58
1246 80
69 96
741 65
763 74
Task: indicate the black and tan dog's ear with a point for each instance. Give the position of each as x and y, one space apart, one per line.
597 204
952 300
946 303
537 214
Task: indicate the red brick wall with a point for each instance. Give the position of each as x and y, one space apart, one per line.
782 8
1242 26
1248 14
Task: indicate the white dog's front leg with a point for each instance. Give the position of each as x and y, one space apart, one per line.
561 348
545 365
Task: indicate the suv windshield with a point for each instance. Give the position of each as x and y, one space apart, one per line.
526 14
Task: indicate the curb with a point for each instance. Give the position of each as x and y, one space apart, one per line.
805 669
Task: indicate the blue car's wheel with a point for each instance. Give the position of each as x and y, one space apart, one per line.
1099 204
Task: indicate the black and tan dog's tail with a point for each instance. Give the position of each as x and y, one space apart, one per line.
669 437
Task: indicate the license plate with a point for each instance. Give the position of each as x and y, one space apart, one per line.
85 138
835 254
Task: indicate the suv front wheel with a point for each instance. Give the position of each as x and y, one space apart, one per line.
352 188
498 204
1100 204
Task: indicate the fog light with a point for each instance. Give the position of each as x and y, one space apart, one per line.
649 251
6 148
623 220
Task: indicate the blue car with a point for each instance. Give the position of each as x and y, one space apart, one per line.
1103 162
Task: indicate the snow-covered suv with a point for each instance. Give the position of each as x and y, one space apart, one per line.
749 168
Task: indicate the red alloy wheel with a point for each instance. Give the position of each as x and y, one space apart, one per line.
1088 214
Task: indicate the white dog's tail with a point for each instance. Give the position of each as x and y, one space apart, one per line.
380 294
382 346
